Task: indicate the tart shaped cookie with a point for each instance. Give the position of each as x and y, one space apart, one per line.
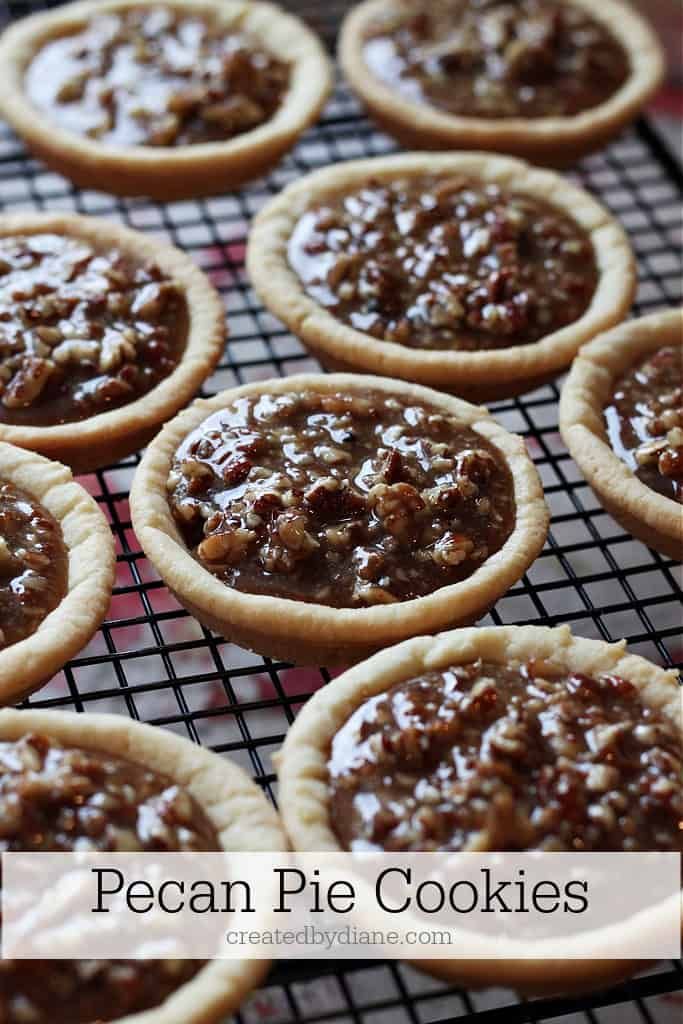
546 80
490 686
105 334
192 800
169 99
476 274
621 417
318 518
56 570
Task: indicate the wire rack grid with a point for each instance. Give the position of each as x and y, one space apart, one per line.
151 661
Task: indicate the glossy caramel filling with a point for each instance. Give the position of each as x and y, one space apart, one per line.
645 421
489 757
154 76
340 499
82 330
497 59
445 263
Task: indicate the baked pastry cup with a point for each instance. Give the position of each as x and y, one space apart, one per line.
505 364
224 802
162 170
75 387
650 510
314 774
76 538
344 508
555 139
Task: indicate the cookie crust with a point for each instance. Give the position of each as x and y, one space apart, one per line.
303 775
109 436
553 141
29 663
241 815
651 517
315 633
485 375
167 172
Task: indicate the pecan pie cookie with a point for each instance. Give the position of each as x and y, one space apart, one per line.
476 274
104 334
56 569
123 787
491 740
621 416
166 98
549 80
321 517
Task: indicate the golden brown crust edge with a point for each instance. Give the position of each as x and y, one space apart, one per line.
552 141
651 517
311 633
479 376
109 436
233 803
168 173
28 664
303 777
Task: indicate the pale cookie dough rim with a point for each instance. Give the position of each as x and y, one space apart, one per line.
556 139
284 294
234 804
303 777
299 624
100 439
652 517
168 172
29 663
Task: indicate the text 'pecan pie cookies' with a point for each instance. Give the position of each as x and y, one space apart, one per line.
549 80
56 569
318 518
102 782
476 274
104 335
491 740
621 417
165 98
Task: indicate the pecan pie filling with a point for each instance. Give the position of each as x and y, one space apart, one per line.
645 421
340 499
157 77
59 799
82 330
33 564
489 757
494 58
445 263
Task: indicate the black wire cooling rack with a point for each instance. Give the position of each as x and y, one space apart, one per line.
153 662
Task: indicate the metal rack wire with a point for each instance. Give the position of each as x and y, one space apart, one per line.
153 662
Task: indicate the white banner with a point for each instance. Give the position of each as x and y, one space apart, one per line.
415 906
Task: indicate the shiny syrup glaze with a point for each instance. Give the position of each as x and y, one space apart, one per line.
347 500
33 564
56 798
156 77
445 263
490 757
645 421
82 330
497 59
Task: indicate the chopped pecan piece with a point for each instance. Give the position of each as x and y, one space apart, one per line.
27 383
292 531
396 505
227 547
